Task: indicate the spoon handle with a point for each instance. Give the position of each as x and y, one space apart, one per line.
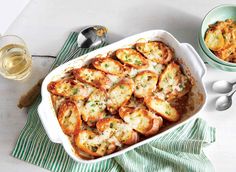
233 83
231 94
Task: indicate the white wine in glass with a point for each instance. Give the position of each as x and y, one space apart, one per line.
15 60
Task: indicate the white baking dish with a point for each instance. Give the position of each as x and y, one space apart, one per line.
190 61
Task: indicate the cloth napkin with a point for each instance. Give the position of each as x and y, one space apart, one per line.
179 151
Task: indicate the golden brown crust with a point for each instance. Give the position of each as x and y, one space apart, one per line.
70 88
221 39
227 53
108 65
86 141
214 39
156 51
131 57
141 120
145 83
119 95
119 129
69 117
94 107
182 88
156 125
93 77
173 83
163 108
169 77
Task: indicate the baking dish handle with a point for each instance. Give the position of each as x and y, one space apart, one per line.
48 124
197 60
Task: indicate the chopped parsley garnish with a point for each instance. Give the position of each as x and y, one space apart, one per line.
106 65
122 86
75 91
167 112
138 62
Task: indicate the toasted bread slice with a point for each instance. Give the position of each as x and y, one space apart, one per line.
169 78
163 108
141 120
93 144
108 65
173 83
119 95
69 117
70 88
183 87
94 107
93 77
156 51
145 83
214 39
131 57
122 131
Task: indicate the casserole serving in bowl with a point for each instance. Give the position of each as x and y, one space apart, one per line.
185 55
218 31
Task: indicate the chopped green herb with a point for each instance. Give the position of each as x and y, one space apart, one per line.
106 65
75 91
138 62
167 112
122 86
111 125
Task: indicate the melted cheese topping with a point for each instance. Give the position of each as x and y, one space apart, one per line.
152 66
170 78
145 83
75 89
109 65
150 50
95 105
138 121
163 108
131 57
69 118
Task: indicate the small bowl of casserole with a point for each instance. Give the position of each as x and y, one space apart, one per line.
217 37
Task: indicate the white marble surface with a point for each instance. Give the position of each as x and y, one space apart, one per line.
9 11
44 25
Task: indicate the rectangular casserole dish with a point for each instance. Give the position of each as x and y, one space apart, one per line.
190 61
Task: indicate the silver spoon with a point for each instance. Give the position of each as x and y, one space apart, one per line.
224 102
92 36
223 86
89 37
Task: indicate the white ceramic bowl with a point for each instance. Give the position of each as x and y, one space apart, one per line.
185 53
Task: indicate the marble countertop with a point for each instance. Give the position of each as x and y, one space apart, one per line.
45 25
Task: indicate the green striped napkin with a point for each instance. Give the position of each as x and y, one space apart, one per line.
178 151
